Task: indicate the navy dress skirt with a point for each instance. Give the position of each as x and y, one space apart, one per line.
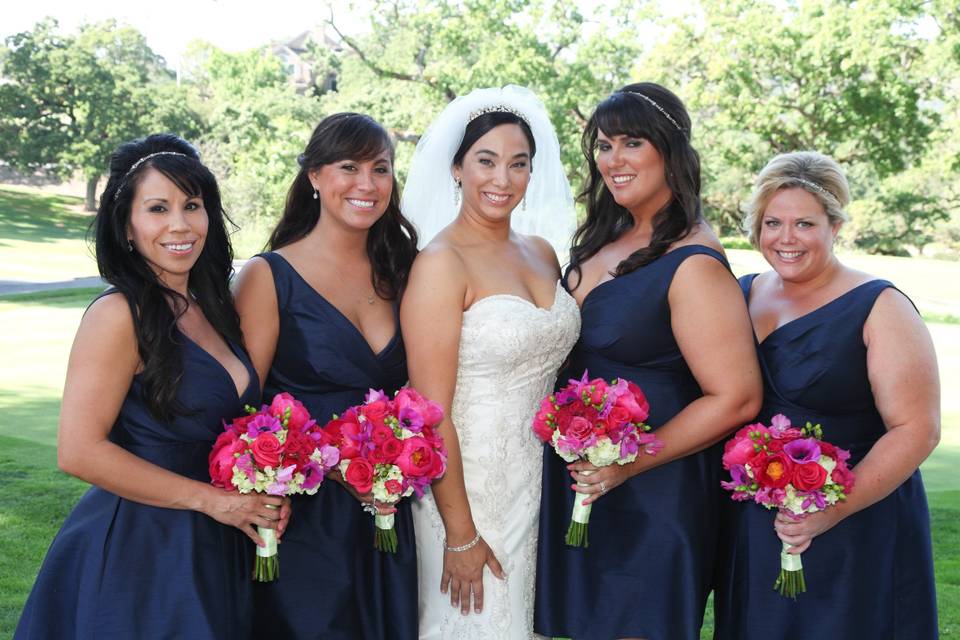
648 568
122 569
333 584
870 576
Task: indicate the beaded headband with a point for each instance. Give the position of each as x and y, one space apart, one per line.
656 105
808 183
496 108
133 167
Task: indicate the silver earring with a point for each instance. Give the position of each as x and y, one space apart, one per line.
523 204
130 245
456 193
316 194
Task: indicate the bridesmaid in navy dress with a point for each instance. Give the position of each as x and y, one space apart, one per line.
319 313
153 550
661 308
840 348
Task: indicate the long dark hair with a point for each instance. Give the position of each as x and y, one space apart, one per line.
155 307
625 113
392 240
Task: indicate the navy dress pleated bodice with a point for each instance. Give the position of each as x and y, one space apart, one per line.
333 584
647 570
871 575
122 569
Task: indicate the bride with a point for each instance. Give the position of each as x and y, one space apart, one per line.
486 326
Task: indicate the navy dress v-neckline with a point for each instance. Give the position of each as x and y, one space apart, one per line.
123 569
648 568
869 576
334 584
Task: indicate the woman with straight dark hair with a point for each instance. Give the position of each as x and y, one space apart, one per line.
659 307
157 364
319 312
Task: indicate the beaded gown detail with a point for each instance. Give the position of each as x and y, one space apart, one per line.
509 354
871 575
123 569
648 568
333 584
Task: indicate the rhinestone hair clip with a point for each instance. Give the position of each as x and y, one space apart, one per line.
496 108
808 183
133 167
656 105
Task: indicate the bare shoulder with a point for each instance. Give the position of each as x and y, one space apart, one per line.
702 234
106 332
894 310
439 263
255 274
541 250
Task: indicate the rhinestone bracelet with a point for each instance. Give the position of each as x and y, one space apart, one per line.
463 547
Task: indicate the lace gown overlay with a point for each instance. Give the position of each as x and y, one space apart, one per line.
510 351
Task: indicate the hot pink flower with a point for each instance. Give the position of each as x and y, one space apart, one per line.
299 416
416 457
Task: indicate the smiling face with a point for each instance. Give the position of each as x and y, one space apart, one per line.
354 194
495 172
633 170
796 236
167 227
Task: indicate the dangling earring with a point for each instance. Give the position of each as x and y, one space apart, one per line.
130 245
523 204
316 194
456 192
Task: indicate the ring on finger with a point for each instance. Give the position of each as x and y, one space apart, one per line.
603 487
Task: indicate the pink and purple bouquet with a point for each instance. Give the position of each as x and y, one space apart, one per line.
790 469
279 450
390 448
599 422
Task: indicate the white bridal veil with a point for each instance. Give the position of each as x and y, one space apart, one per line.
428 195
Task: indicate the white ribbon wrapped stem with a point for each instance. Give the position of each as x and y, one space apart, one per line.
581 512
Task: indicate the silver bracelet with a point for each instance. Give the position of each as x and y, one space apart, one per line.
463 547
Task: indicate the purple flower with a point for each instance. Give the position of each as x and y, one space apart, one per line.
629 445
329 456
813 497
569 445
778 424
411 419
312 475
261 424
245 464
373 395
803 450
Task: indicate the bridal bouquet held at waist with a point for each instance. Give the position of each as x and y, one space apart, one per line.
389 447
597 421
279 450
790 469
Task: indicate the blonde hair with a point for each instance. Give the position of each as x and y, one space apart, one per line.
815 173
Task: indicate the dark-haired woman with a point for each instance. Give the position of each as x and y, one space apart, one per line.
487 326
156 365
319 313
660 307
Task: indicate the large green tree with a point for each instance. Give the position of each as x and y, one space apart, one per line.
68 100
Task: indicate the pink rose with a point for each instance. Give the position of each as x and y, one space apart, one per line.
299 415
580 428
596 389
542 430
843 476
808 476
381 433
360 475
391 449
267 450
222 460
635 402
416 457
617 417
375 412
738 450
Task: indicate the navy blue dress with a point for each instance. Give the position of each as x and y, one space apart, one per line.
333 584
870 576
122 569
648 568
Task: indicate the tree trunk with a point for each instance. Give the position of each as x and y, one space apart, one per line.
91 201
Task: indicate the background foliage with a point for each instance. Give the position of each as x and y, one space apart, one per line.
875 84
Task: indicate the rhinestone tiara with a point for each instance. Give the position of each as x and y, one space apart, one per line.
133 167
497 108
808 183
656 105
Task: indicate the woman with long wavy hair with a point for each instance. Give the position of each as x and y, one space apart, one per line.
659 307
153 550
319 313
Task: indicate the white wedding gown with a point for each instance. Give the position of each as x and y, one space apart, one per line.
510 351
